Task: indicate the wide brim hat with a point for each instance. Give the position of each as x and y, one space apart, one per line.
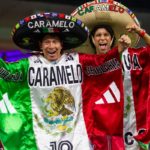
28 31
106 12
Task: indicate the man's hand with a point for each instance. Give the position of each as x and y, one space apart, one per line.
123 43
141 32
134 28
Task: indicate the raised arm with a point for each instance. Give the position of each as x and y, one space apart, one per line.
142 33
123 43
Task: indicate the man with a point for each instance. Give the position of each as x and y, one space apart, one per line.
45 107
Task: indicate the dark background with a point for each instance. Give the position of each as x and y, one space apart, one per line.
11 11
129 3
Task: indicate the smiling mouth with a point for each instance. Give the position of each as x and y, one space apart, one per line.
103 46
51 53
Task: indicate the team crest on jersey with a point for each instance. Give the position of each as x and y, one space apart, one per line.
58 112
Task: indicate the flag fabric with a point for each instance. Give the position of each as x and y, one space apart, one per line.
136 67
16 125
46 105
103 105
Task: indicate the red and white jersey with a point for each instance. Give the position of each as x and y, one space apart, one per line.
136 65
102 92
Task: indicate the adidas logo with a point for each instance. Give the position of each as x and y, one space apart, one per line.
6 106
37 31
38 61
66 30
112 95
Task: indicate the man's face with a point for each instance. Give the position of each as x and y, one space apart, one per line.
51 46
102 41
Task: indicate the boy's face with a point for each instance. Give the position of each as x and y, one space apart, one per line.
102 41
51 46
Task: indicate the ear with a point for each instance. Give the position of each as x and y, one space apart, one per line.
62 45
40 45
111 41
93 40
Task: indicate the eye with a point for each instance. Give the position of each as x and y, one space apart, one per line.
107 34
97 35
46 42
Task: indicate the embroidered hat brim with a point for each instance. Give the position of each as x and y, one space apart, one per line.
107 12
28 31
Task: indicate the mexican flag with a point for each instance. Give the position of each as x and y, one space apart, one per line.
49 105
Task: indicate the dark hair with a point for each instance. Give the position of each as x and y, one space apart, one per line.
108 28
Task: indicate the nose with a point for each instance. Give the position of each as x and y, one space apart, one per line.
51 45
102 37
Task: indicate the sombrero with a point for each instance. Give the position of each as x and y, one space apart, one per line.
107 12
27 32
